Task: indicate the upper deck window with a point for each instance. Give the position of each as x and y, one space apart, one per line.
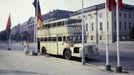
68 22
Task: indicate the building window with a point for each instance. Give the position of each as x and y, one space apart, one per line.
114 13
129 15
92 26
115 25
120 25
86 27
120 14
101 27
100 37
79 17
129 25
107 25
85 18
125 26
92 37
92 17
125 15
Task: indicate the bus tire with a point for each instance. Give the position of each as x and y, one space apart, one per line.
44 52
67 54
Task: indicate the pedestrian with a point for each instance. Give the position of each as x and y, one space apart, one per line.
26 48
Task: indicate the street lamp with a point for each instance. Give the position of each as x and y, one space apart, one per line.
83 50
118 68
108 66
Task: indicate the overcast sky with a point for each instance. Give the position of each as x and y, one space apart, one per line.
21 10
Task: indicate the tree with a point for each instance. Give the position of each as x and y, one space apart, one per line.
131 34
16 37
3 36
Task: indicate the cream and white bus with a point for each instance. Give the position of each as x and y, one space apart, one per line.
63 37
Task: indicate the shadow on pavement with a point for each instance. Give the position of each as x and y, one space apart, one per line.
4 71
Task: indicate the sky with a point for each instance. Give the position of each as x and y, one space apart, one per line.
21 10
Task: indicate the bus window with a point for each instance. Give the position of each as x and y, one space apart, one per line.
53 24
49 25
58 23
80 37
45 39
69 38
53 38
59 38
45 26
49 38
41 39
64 38
62 23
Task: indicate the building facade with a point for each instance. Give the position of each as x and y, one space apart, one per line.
27 27
56 15
15 29
95 24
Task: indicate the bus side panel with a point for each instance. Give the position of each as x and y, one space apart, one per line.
48 48
53 48
60 48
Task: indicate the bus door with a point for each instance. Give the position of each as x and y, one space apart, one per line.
38 45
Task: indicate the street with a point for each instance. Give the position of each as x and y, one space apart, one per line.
126 55
14 62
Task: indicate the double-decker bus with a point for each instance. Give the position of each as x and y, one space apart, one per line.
63 37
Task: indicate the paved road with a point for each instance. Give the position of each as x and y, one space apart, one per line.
126 51
126 55
16 63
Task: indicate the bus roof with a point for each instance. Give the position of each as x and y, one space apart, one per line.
64 20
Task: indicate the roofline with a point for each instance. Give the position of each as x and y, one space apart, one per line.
98 7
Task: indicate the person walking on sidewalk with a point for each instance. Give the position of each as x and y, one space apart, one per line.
26 47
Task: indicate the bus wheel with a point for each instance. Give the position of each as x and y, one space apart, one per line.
67 54
44 52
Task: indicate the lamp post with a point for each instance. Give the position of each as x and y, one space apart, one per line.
83 50
108 66
118 68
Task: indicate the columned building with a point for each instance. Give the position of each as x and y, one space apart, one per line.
95 24
15 29
56 15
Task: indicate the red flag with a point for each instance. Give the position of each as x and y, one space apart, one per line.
8 27
38 14
110 4
120 4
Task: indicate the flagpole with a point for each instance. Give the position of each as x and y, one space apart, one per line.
9 31
108 67
35 27
96 29
118 68
83 50
8 39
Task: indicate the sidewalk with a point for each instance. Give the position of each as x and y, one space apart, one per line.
16 62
